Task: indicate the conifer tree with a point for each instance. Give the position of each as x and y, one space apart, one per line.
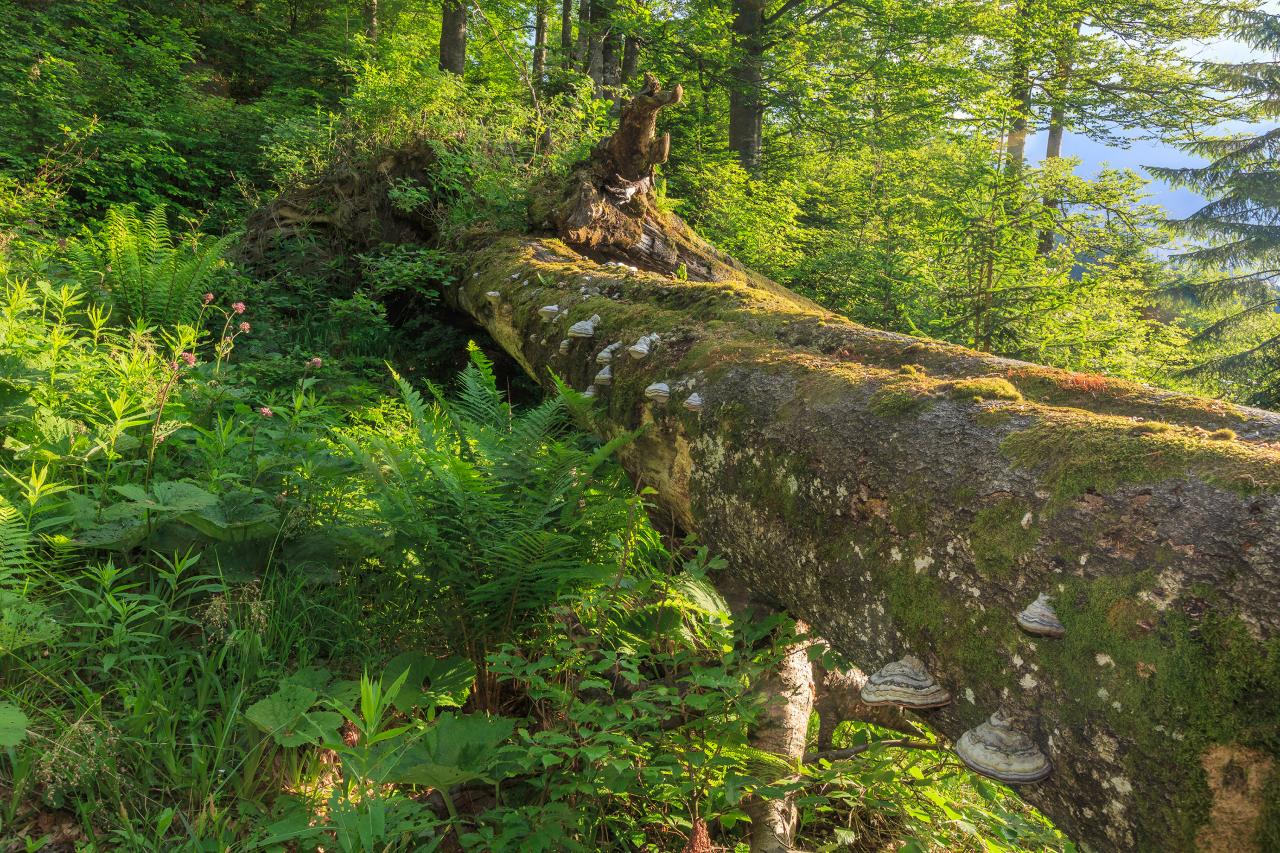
1237 233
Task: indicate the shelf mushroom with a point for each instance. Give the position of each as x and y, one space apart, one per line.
493 296
1039 619
564 346
584 328
1001 752
606 355
590 392
658 392
605 376
693 402
640 348
548 312
904 683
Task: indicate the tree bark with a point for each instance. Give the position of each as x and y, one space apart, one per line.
584 34
566 33
746 84
1016 139
1060 91
540 42
371 20
905 496
611 66
453 36
630 59
781 729
595 45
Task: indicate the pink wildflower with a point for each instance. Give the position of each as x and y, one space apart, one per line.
265 411
189 358
244 327
237 307
208 297
316 363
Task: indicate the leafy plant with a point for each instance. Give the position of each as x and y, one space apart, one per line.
150 276
485 511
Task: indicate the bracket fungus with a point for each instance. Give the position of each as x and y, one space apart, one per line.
590 392
605 376
548 312
1001 752
584 328
1039 619
693 402
904 683
658 392
640 348
606 355
493 296
564 346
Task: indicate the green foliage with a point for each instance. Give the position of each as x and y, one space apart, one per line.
150 277
1235 240
475 504
212 532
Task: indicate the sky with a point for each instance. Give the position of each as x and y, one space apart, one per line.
1140 153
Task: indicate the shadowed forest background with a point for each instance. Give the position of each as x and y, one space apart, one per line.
285 563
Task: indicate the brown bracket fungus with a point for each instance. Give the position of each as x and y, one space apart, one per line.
904 683
1001 752
1039 619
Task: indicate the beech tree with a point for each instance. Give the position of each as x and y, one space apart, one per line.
903 496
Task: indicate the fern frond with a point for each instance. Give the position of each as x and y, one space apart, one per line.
15 543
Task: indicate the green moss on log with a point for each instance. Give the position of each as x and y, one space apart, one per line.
1000 536
1076 452
983 388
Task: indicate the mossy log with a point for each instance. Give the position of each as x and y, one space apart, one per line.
905 496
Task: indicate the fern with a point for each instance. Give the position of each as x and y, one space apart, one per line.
15 543
491 515
149 275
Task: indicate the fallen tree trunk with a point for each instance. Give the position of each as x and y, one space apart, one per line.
905 496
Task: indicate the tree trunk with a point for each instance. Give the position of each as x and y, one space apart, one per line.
905 496
611 71
746 104
781 729
1016 139
371 20
453 36
1060 91
630 59
584 34
566 33
540 42
595 45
